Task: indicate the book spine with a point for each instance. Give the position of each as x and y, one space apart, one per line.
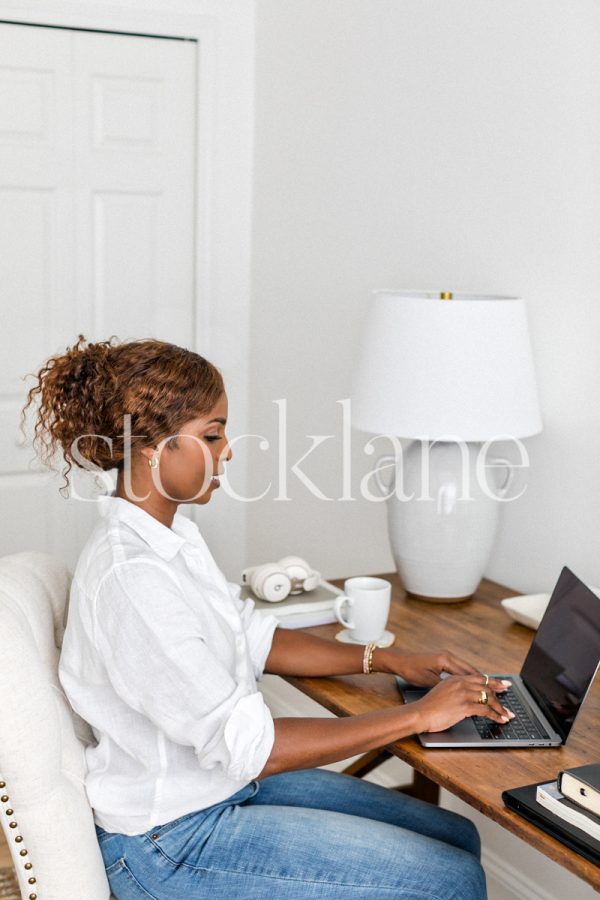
579 792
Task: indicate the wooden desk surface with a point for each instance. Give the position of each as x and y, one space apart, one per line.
481 632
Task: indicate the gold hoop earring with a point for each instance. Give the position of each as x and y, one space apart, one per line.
153 462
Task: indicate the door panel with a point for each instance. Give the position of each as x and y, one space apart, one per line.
134 102
97 176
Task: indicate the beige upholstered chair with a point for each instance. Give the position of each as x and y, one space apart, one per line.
45 815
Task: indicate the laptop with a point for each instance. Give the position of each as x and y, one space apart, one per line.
550 690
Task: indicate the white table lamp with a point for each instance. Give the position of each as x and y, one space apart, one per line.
457 370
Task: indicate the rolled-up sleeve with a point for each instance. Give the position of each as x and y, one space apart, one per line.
259 627
158 660
247 740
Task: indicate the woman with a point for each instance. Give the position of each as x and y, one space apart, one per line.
196 791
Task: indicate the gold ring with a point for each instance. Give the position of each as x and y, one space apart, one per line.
483 697
487 678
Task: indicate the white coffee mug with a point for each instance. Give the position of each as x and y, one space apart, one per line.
368 600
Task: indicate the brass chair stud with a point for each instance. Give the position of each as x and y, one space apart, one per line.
18 839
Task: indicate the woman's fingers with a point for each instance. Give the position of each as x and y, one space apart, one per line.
489 713
497 685
481 698
493 709
457 666
458 697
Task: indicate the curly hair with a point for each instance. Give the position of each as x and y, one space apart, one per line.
83 395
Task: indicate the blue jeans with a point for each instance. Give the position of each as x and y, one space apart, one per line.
298 836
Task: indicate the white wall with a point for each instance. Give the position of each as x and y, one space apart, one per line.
422 144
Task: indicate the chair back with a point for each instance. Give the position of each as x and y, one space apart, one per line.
46 818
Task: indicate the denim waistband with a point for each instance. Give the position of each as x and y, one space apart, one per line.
245 793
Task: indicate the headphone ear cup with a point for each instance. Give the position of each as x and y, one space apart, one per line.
295 566
270 582
312 580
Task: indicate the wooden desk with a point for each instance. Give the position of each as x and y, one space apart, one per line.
481 632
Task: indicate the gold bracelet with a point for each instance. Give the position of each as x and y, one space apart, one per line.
368 658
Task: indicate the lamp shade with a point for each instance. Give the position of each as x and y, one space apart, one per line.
430 368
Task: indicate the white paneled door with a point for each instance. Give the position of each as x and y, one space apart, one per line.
97 211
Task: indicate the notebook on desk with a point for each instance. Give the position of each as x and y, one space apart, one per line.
549 692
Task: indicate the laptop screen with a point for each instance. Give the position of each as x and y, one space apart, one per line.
565 653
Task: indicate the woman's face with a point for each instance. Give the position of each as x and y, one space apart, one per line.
189 471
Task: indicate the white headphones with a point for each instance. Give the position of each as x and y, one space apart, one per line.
276 581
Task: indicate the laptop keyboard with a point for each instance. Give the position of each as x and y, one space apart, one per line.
523 726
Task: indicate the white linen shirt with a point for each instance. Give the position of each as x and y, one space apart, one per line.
161 657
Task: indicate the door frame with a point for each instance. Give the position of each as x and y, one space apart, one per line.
224 33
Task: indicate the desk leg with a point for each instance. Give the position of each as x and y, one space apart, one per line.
366 763
422 787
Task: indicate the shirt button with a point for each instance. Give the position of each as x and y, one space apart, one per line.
154 837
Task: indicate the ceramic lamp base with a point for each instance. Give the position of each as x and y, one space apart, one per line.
442 518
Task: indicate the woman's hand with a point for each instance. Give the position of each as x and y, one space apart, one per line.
425 669
458 697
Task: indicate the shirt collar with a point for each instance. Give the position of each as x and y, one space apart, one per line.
166 542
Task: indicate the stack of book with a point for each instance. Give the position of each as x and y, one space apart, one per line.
568 808
575 798
300 610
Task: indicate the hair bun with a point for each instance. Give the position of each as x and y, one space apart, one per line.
85 393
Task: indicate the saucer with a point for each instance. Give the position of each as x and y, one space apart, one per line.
386 639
